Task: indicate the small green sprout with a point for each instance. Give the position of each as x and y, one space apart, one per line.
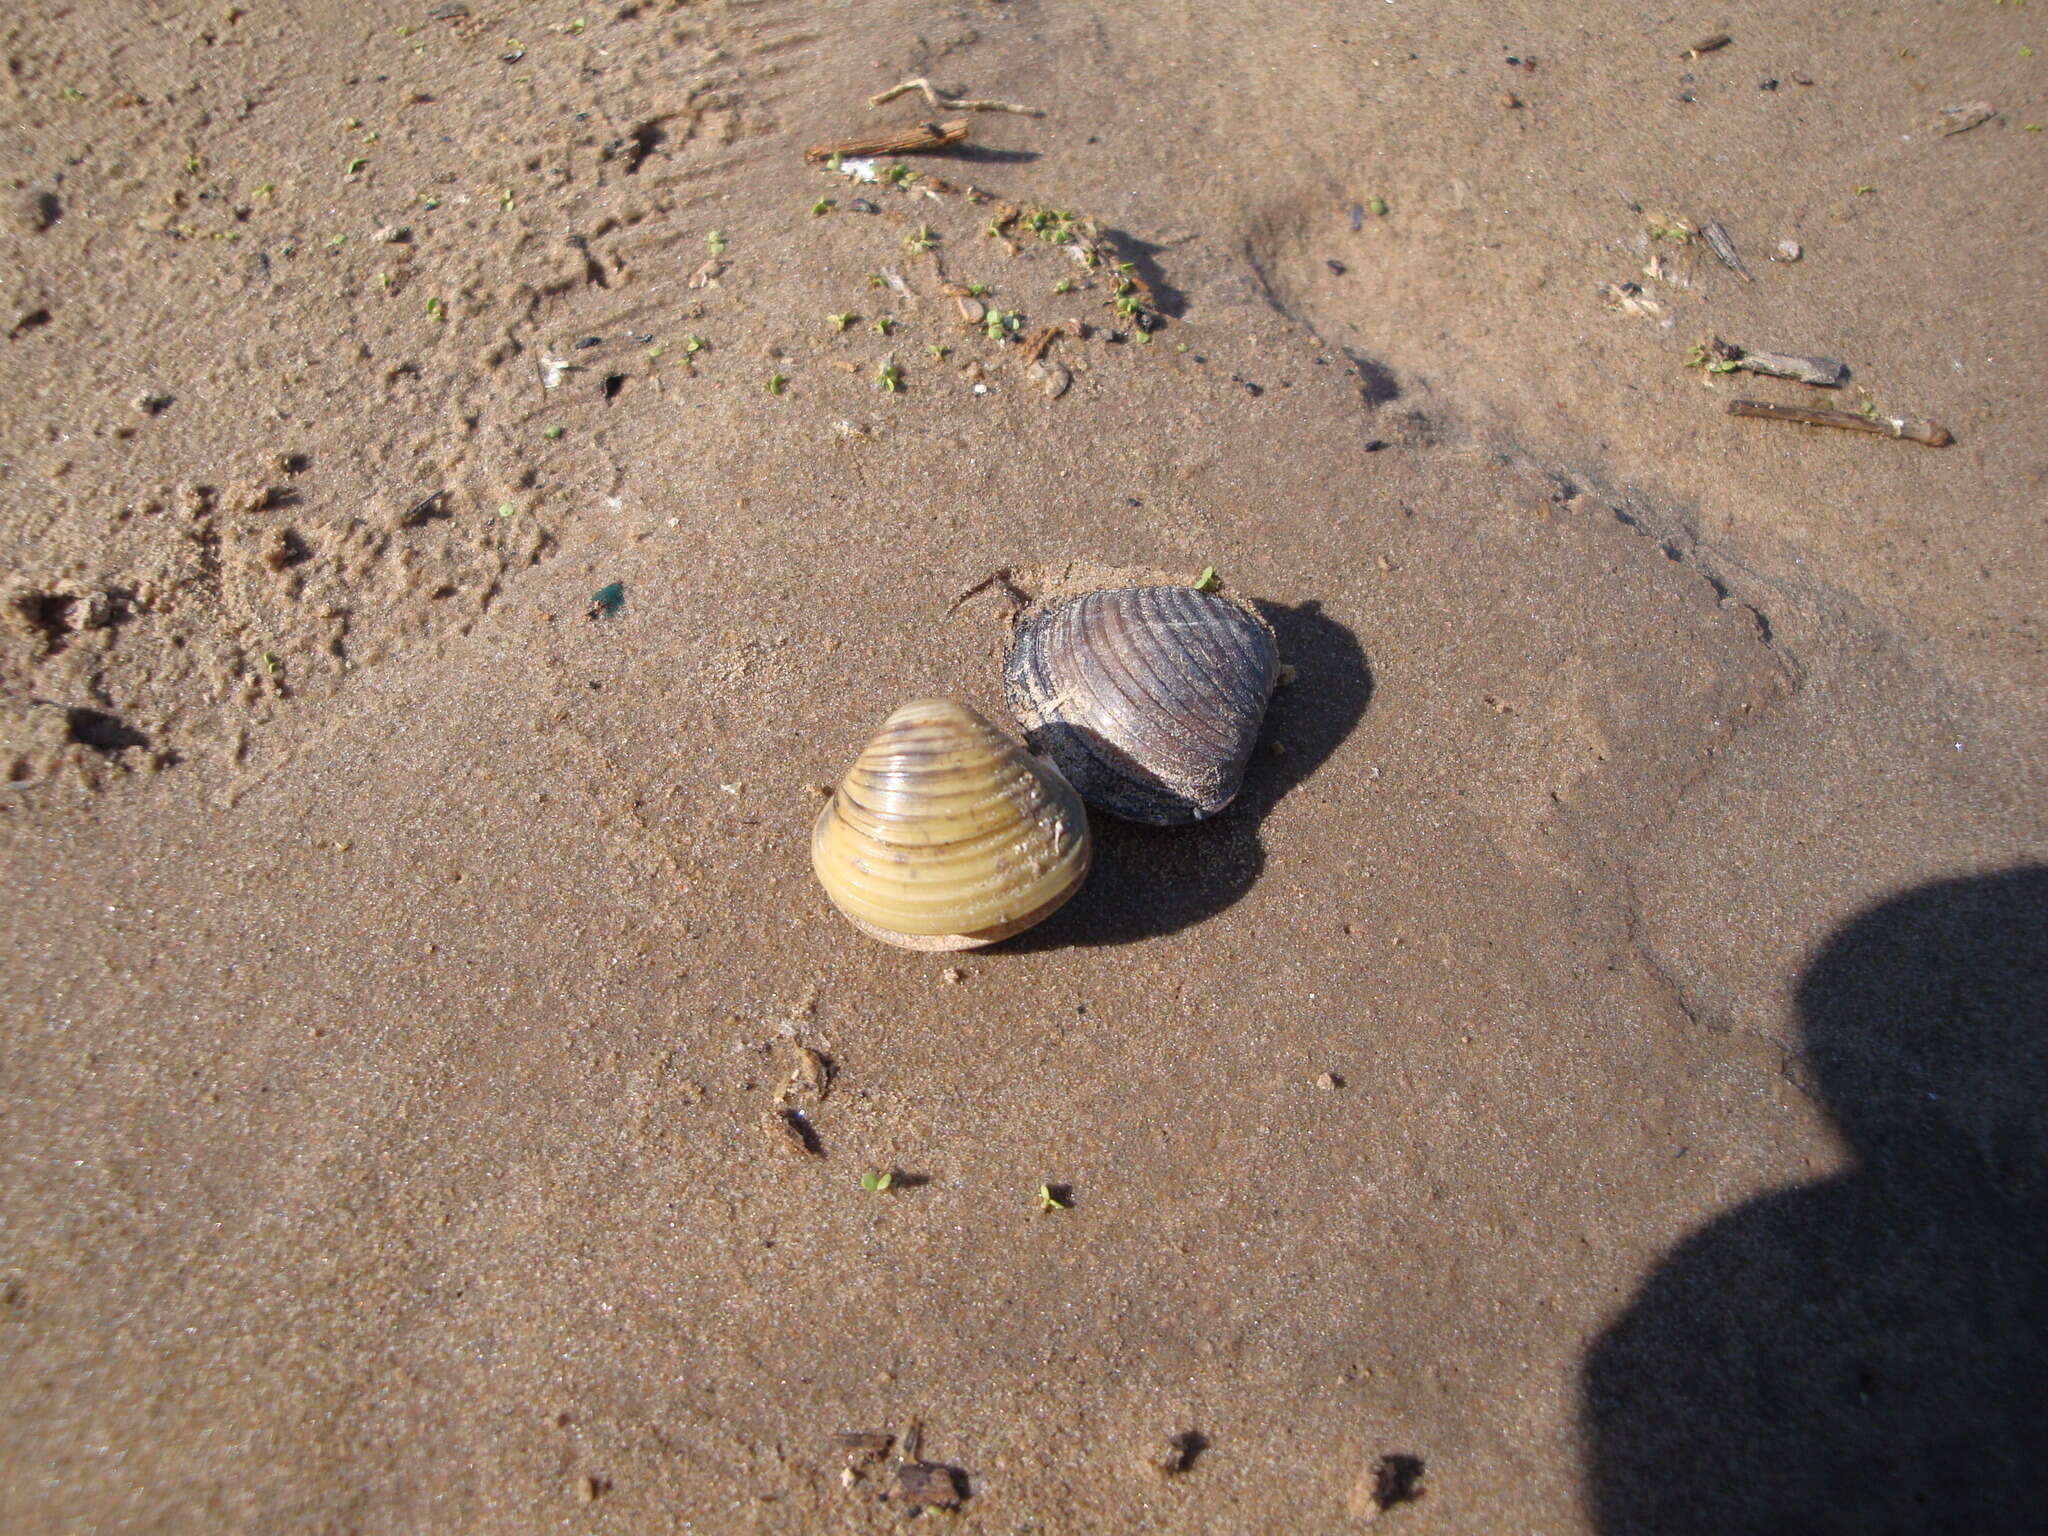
1865 190
506 509
436 310
1064 285
356 165
923 240
268 189
430 203
897 174
775 383
655 354
716 241
1208 581
384 281
938 352
822 206
877 1183
692 345
576 27
1676 231
352 122
73 93
192 164
1002 324
890 378
875 280
1050 1199
271 664
884 325
554 433
992 230
834 161
370 137
841 322
976 290
506 199
405 31
1377 206
336 242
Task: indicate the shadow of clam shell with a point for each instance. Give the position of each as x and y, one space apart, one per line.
1148 881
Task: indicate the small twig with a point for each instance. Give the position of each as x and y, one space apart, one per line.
1712 44
905 141
1932 433
947 103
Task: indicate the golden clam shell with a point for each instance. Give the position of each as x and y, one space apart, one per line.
946 834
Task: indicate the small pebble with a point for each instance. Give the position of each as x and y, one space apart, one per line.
395 234
1329 1082
1788 250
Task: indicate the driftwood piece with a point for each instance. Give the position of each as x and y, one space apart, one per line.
1823 372
1932 433
921 139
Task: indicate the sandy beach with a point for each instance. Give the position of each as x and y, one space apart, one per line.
469 486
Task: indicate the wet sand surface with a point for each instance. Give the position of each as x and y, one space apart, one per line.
1589 1081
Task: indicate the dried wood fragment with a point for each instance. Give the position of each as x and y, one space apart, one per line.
1911 428
926 1485
1708 45
1724 249
922 139
947 103
863 1444
1823 372
1038 341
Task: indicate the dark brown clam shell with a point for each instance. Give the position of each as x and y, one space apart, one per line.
1148 699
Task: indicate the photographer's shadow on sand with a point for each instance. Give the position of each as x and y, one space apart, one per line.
1148 881
1867 1353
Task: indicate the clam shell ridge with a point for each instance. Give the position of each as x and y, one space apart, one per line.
1149 699
946 834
